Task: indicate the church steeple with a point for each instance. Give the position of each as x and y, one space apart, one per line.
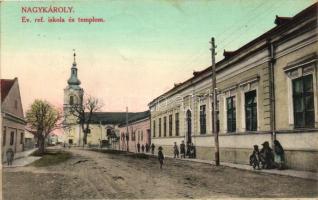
73 81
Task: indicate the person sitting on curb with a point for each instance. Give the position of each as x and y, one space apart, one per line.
267 156
255 158
279 155
160 156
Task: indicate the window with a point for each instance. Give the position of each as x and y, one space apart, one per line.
170 125
21 138
231 114
4 137
154 128
138 136
159 127
303 101
12 138
133 136
165 126
108 132
251 111
177 124
203 119
142 135
71 100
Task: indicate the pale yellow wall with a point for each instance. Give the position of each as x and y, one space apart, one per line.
281 88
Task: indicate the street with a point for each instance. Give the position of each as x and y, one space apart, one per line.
95 175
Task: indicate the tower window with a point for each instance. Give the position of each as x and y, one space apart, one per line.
71 100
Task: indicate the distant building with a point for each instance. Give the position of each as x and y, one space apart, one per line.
267 89
13 122
29 140
103 128
138 132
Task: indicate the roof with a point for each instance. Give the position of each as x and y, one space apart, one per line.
6 85
281 24
137 117
115 117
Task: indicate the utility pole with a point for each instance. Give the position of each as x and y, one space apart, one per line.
214 105
127 133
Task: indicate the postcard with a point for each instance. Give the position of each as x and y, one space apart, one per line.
159 99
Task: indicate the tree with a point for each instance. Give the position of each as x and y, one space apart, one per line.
42 118
83 113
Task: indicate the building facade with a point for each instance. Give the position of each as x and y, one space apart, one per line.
138 132
13 122
267 89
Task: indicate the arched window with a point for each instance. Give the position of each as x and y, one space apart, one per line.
71 100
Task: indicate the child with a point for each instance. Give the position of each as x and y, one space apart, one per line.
10 156
255 158
160 156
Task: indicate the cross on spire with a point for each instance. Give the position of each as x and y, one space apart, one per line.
74 54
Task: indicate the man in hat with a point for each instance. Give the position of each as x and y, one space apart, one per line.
182 149
267 156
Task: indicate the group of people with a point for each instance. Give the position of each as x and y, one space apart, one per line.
145 148
185 150
267 158
188 150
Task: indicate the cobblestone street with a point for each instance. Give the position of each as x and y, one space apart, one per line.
94 175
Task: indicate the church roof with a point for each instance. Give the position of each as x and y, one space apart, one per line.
115 117
137 117
6 85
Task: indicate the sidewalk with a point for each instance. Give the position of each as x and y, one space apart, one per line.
286 172
22 159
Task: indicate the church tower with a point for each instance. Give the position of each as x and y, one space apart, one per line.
73 94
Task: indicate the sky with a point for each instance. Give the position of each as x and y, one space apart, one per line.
137 54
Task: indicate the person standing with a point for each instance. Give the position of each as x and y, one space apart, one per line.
182 149
160 156
193 149
10 156
147 147
152 148
138 147
142 148
175 150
